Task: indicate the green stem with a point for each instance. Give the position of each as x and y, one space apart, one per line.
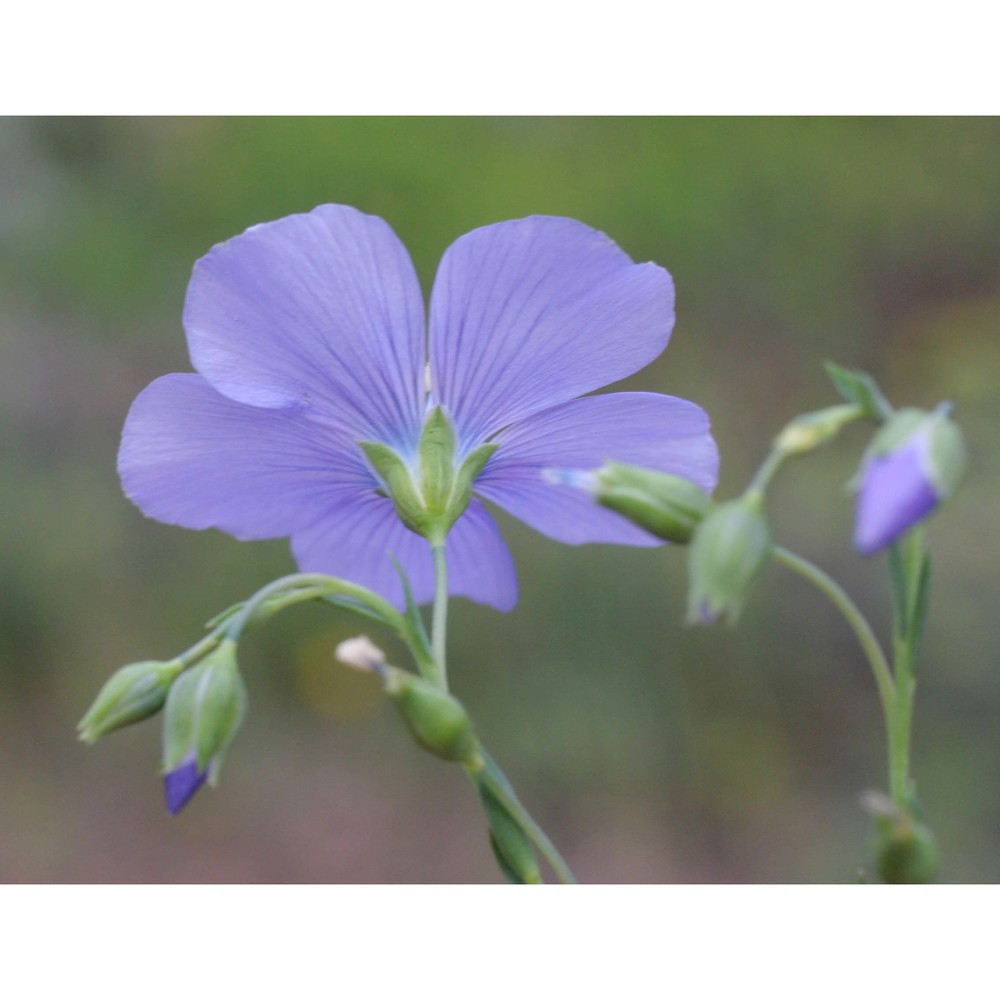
858 623
902 725
906 629
765 473
490 773
439 621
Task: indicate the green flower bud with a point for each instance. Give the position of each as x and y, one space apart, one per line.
204 711
810 430
437 721
667 506
728 552
511 846
131 694
908 855
905 849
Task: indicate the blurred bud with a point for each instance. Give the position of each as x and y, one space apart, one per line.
360 653
810 430
204 710
905 848
913 465
511 846
132 694
728 551
667 506
437 721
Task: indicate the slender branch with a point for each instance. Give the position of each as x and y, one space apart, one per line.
857 621
764 475
439 622
906 628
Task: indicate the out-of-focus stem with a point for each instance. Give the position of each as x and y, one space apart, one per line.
439 621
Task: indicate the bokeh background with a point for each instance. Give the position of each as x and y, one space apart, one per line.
651 752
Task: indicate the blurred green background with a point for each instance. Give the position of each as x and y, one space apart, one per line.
651 752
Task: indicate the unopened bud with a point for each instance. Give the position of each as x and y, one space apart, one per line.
906 852
728 552
911 467
360 653
204 711
511 846
665 505
131 694
810 430
437 721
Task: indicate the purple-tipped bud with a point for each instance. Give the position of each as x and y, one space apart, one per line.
913 465
182 782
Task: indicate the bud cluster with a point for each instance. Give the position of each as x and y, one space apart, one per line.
204 706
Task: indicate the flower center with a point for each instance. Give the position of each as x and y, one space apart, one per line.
431 497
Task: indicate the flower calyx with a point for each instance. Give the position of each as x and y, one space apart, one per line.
130 695
665 505
728 552
435 719
204 711
432 497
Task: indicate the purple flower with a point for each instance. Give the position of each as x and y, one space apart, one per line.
180 784
913 465
308 336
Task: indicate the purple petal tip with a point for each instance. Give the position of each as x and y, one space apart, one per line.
896 494
181 784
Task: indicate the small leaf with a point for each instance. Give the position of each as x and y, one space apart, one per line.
861 389
504 867
416 633
510 843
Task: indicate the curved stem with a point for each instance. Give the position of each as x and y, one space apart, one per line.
765 473
857 621
504 792
439 621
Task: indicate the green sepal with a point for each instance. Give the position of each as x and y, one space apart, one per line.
861 389
948 457
439 496
511 846
204 711
435 719
729 551
399 483
437 462
465 479
130 695
898 430
665 505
